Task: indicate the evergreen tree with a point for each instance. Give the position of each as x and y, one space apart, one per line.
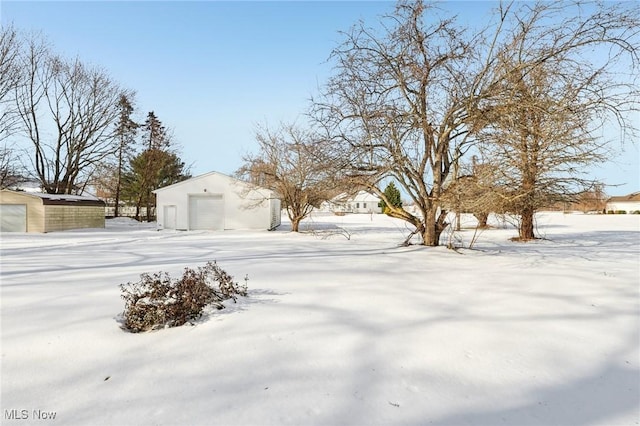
154 133
141 180
125 134
149 164
393 195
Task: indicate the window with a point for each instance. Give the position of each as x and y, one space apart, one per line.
357 205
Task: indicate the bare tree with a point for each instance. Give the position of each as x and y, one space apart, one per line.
11 171
105 181
67 111
288 163
410 99
397 107
9 79
590 200
474 191
552 97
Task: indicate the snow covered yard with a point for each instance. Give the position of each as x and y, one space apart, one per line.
342 327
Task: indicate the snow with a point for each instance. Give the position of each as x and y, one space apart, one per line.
341 327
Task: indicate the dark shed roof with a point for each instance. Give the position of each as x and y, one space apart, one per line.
64 199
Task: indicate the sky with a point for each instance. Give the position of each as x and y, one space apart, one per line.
212 71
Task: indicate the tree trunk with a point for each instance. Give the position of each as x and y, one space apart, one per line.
295 224
527 209
138 207
116 210
434 224
482 219
526 224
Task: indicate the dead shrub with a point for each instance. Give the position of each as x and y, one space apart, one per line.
156 301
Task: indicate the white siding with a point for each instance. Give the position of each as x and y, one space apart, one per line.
276 214
242 206
362 202
169 216
628 206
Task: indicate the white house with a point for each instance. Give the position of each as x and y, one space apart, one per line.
628 203
216 201
362 202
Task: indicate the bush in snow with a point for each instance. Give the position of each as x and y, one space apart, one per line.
157 301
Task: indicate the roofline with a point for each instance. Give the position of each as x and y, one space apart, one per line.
256 187
629 197
62 201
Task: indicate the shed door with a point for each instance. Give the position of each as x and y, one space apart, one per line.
13 218
206 212
169 217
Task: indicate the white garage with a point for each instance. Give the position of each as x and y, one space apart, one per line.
214 201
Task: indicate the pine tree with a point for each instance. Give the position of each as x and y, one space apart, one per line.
154 133
156 166
156 143
125 134
393 195
139 183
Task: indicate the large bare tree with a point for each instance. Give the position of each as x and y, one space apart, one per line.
288 162
11 169
410 98
9 79
558 86
67 111
397 107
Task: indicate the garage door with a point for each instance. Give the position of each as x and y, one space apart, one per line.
13 218
206 212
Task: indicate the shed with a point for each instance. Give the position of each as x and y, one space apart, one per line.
38 212
214 201
627 203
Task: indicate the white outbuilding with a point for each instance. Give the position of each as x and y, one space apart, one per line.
214 201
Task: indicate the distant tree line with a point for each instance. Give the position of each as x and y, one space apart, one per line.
78 127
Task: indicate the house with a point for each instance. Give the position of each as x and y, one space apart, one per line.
627 203
361 202
216 201
38 212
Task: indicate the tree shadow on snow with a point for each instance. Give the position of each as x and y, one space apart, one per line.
605 394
